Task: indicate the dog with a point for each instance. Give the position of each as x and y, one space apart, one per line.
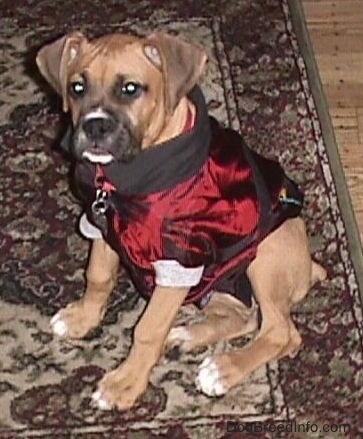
183 204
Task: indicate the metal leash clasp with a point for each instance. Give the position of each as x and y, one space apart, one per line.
99 208
100 204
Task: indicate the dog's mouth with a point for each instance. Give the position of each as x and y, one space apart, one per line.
95 155
120 144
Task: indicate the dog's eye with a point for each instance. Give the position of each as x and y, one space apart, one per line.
131 89
78 88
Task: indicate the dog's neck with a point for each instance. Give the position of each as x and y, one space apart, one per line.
176 123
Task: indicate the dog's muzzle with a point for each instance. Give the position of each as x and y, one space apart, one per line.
100 137
97 127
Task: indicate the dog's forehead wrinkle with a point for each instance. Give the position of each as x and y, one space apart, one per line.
110 45
127 61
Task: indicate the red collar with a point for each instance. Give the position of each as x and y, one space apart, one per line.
101 182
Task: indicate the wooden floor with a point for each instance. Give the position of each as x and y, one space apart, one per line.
336 31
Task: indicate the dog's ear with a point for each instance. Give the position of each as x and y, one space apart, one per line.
181 64
54 60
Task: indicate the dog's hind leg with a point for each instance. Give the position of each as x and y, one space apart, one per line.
278 280
224 318
79 317
217 374
318 274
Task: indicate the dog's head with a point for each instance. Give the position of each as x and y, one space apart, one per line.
121 90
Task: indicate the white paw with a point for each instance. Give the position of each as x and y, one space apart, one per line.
59 326
179 334
208 379
97 400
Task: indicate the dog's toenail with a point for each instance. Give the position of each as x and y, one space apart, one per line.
219 389
54 319
96 395
99 402
205 363
60 328
103 405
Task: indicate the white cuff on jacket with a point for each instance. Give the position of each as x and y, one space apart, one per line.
169 273
87 229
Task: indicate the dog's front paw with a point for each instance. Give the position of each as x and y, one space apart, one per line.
209 379
75 320
120 388
218 374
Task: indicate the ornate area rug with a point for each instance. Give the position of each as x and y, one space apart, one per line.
260 81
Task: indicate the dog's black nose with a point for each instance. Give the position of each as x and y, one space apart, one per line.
97 128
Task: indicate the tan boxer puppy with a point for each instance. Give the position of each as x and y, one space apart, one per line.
127 94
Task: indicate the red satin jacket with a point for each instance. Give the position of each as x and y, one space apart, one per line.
203 200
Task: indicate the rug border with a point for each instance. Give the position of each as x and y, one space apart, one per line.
345 203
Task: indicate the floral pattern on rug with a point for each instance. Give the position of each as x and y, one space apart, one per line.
256 82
